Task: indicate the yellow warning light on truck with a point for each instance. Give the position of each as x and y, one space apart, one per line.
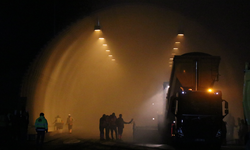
210 90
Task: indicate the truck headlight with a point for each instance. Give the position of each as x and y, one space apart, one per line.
218 134
180 133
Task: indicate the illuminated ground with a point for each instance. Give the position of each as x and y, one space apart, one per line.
65 141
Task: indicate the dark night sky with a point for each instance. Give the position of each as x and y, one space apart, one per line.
27 26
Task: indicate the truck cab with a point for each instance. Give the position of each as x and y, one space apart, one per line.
195 117
194 112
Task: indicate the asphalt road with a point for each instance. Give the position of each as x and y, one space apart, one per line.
65 141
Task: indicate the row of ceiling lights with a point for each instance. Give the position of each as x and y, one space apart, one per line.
98 28
175 48
174 51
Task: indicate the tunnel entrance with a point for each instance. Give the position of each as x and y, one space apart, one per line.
119 69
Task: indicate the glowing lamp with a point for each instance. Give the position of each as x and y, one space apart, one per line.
97 28
210 90
180 33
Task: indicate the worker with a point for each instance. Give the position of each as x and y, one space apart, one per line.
120 125
23 124
102 125
107 126
15 125
3 126
58 123
113 127
41 126
69 123
242 130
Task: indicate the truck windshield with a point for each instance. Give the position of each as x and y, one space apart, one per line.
200 103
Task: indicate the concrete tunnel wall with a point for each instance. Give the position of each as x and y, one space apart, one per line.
74 74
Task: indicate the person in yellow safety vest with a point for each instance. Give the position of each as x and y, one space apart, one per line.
41 126
58 123
70 123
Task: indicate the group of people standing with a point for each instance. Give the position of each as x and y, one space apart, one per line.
110 124
14 126
58 123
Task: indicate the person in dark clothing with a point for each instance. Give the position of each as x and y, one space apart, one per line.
3 127
102 125
242 130
15 125
23 123
113 127
120 125
10 126
107 126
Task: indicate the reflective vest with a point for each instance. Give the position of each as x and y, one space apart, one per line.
58 120
41 124
70 121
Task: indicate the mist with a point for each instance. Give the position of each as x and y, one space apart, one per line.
74 73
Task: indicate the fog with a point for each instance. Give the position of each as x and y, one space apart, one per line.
75 75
